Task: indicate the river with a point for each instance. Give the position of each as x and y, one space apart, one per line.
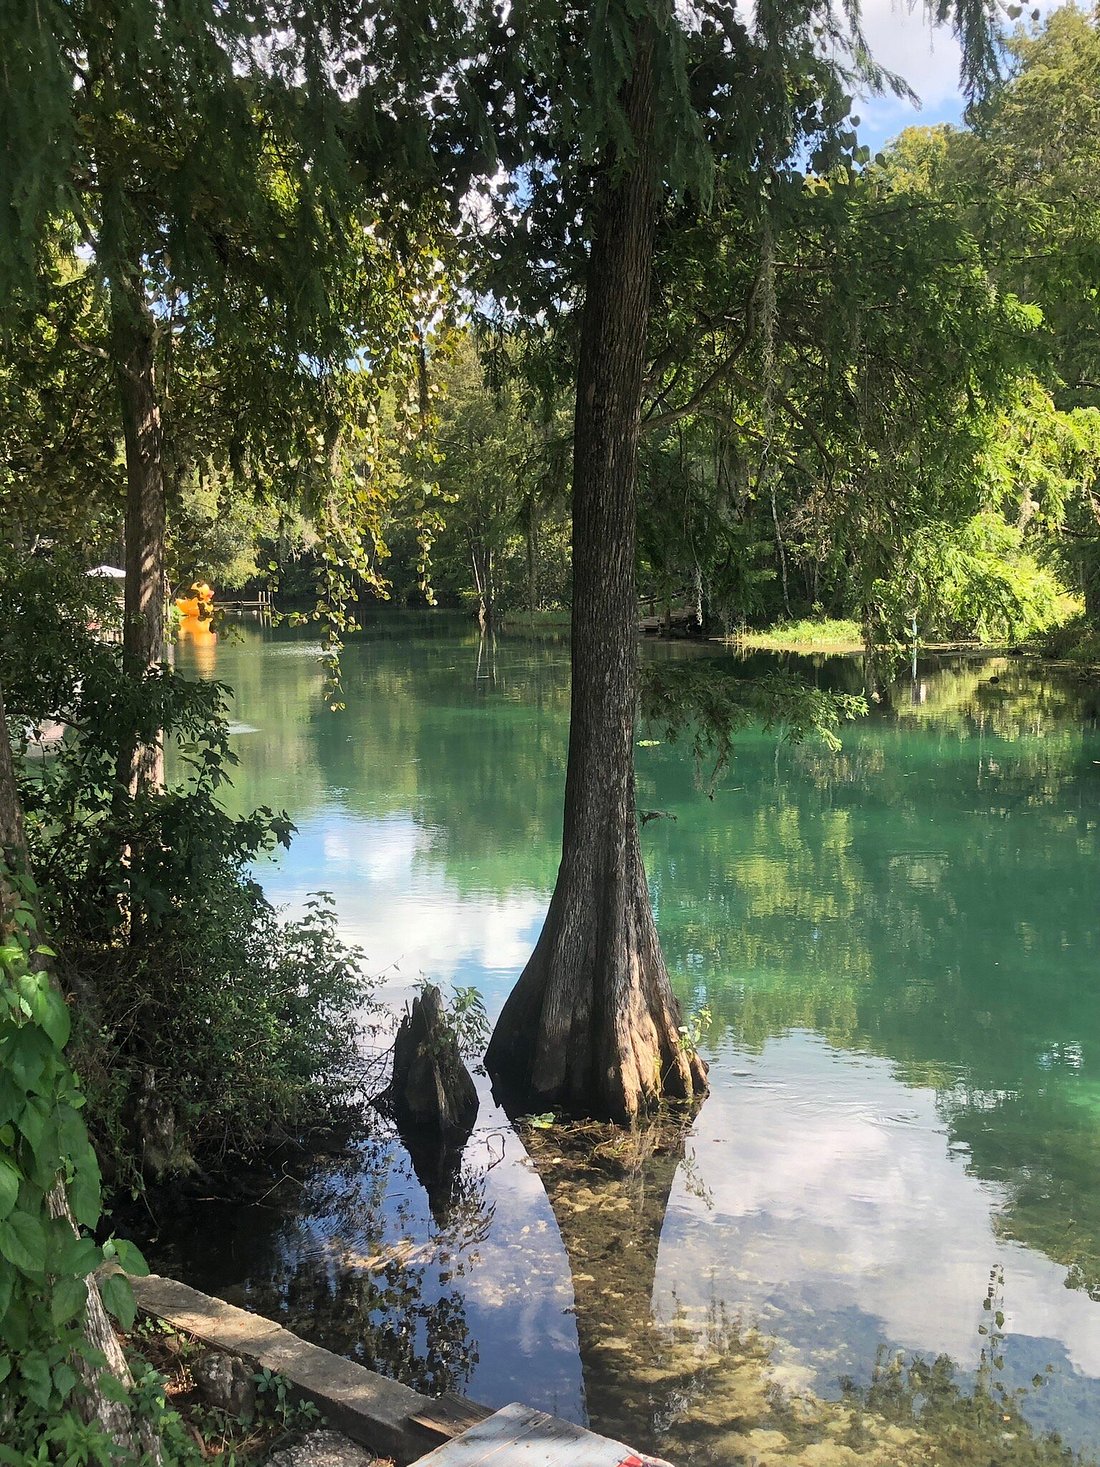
899 1161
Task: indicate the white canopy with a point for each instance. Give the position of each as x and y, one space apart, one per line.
109 570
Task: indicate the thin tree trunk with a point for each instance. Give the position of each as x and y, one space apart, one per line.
13 842
113 1416
1090 580
782 552
592 1024
532 557
133 338
482 562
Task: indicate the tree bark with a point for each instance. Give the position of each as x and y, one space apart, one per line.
592 1024
133 340
1090 581
113 1416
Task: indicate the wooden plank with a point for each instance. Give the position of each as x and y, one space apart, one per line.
367 1407
448 1415
518 1436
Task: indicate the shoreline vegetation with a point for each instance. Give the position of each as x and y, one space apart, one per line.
1074 643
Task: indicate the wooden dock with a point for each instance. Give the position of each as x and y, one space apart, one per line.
673 615
261 603
519 1436
680 622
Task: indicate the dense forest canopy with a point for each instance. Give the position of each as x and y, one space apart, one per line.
924 325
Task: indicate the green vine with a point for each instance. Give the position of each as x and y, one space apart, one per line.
44 1264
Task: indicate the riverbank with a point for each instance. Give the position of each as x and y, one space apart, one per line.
1075 646
839 637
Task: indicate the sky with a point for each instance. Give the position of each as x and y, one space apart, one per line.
903 41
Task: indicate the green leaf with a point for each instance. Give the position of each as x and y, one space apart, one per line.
37 1382
79 1258
5 1367
23 1242
84 1193
10 1181
118 1298
15 1323
27 1055
67 1300
72 1134
47 1007
53 1014
130 1258
33 1120
113 1388
11 1095
64 1379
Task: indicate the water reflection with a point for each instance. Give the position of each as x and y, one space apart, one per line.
898 948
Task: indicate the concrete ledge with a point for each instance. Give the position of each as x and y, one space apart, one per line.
389 1418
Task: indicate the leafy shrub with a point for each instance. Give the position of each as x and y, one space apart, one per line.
210 1025
1077 641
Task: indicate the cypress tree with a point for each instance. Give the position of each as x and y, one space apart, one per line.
613 112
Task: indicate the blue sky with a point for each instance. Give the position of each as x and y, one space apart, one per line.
904 41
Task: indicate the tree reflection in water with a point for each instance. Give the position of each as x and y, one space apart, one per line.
701 1388
332 1256
401 1311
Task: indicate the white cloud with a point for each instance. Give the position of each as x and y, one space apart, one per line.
928 57
829 1184
401 907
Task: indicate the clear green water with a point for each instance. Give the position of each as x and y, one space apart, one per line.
900 949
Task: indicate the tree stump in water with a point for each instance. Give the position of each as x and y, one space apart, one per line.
431 1091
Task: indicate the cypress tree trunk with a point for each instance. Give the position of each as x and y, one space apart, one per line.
592 1024
133 340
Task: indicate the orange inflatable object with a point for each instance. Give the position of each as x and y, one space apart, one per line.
198 604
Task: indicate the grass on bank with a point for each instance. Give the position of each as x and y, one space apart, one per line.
519 621
819 634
